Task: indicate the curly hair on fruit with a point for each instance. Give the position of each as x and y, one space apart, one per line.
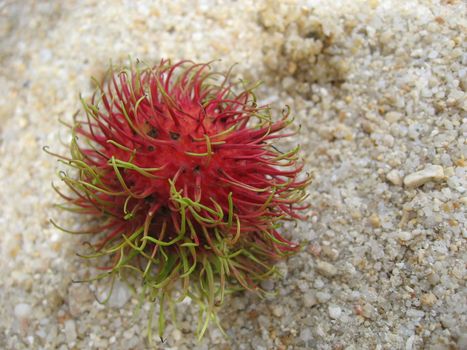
178 165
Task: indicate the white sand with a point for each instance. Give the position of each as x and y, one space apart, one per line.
379 89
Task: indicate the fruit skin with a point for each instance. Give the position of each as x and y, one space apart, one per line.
180 170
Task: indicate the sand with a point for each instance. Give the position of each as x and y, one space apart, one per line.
379 89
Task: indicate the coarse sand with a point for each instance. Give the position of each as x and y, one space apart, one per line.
379 89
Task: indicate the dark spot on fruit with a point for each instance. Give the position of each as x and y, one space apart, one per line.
153 133
151 148
164 211
174 135
197 169
149 199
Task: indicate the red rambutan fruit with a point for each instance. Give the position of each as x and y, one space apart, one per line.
179 167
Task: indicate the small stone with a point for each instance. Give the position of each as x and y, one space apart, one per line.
368 127
448 321
288 83
318 283
404 236
309 299
394 177
355 214
129 333
323 297
392 116
306 335
79 299
70 331
388 140
375 221
22 311
428 299
449 171
369 311
216 336
277 310
462 341
409 342
429 173
177 335
120 295
415 313
326 269
54 300
330 253
315 249
267 285
433 278
334 311
342 131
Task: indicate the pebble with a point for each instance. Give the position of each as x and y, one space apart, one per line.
433 278
331 253
409 343
79 298
415 313
375 221
368 127
404 235
462 341
277 310
448 321
23 311
128 334
334 311
177 335
326 269
120 295
70 331
369 311
394 177
388 140
216 336
392 116
306 335
267 285
309 299
428 299
323 297
419 178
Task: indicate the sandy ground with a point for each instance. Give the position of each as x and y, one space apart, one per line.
379 90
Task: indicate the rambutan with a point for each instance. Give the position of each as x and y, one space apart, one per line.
178 165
